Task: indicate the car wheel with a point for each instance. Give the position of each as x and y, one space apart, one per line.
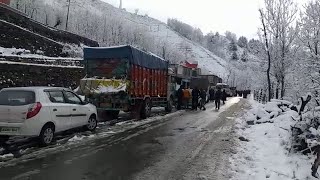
92 123
47 135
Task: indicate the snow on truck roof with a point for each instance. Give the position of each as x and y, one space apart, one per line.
134 55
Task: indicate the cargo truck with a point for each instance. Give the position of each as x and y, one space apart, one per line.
127 79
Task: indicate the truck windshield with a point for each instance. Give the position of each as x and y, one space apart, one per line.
16 98
107 68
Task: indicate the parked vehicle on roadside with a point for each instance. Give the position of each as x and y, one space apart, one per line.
42 112
201 83
225 87
233 91
124 78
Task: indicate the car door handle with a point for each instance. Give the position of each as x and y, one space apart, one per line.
55 110
74 109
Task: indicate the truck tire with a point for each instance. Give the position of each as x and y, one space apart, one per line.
170 105
145 109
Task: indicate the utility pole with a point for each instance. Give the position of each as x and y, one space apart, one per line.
69 2
120 7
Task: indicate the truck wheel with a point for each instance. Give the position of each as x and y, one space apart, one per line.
170 105
145 109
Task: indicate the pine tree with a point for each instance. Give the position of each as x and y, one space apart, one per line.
243 42
244 56
233 46
234 56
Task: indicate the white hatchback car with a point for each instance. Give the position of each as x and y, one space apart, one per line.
42 112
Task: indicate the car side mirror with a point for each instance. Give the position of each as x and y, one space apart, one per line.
85 102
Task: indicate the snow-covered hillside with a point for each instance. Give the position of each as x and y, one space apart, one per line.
112 26
100 16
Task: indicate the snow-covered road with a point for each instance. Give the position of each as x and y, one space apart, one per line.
180 145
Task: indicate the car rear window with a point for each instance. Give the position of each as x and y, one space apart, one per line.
17 98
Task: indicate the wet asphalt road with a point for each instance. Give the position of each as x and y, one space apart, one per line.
189 145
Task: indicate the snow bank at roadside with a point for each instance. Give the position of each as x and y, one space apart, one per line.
266 155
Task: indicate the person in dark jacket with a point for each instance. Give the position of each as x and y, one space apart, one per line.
224 96
203 95
217 98
211 93
180 97
195 98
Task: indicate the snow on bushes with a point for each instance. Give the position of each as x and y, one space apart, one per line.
267 154
266 113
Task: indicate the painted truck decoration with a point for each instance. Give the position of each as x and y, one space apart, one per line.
125 78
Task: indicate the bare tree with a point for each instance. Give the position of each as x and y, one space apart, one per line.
280 18
68 12
268 52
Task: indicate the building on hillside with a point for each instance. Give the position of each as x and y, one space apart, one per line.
5 2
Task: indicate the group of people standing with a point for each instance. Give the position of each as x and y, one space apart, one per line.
218 96
199 97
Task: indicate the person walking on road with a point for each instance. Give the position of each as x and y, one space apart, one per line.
224 96
203 95
217 98
186 97
195 98
211 93
179 96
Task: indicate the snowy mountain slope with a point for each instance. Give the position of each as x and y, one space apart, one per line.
111 26
209 62
156 31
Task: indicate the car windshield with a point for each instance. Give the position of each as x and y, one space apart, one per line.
16 98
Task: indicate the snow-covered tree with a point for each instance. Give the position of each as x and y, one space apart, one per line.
231 36
243 42
244 56
309 37
280 18
233 46
234 56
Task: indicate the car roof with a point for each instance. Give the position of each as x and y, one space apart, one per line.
34 88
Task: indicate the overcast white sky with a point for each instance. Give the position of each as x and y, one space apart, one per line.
238 16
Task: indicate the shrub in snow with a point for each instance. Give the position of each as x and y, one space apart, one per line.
73 50
266 113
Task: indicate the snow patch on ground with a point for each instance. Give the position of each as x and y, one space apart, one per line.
6 156
23 53
267 155
80 138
